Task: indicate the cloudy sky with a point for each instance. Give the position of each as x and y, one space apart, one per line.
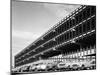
30 20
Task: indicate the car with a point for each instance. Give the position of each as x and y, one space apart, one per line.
90 64
33 67
64 65
61 65
41 67
51 67
75 67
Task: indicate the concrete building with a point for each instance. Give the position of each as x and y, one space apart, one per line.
74 33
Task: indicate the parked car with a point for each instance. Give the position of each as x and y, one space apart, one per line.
33 67
41 67
51 67
90 64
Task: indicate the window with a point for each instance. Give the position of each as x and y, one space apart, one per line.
77 31
93 10
77 19
70 34
70 23
63 26
73 22
58 40
88 11
64 37
80 29
58 30
93 23
81 17
84 14
67 24
67 35
88 25
73 34
84 27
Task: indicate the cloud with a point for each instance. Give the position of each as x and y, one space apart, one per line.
24 35
60 10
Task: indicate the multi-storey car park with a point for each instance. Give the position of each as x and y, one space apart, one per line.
71 41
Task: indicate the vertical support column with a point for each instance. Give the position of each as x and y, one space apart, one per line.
40 58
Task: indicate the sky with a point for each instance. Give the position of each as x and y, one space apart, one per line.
30 20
